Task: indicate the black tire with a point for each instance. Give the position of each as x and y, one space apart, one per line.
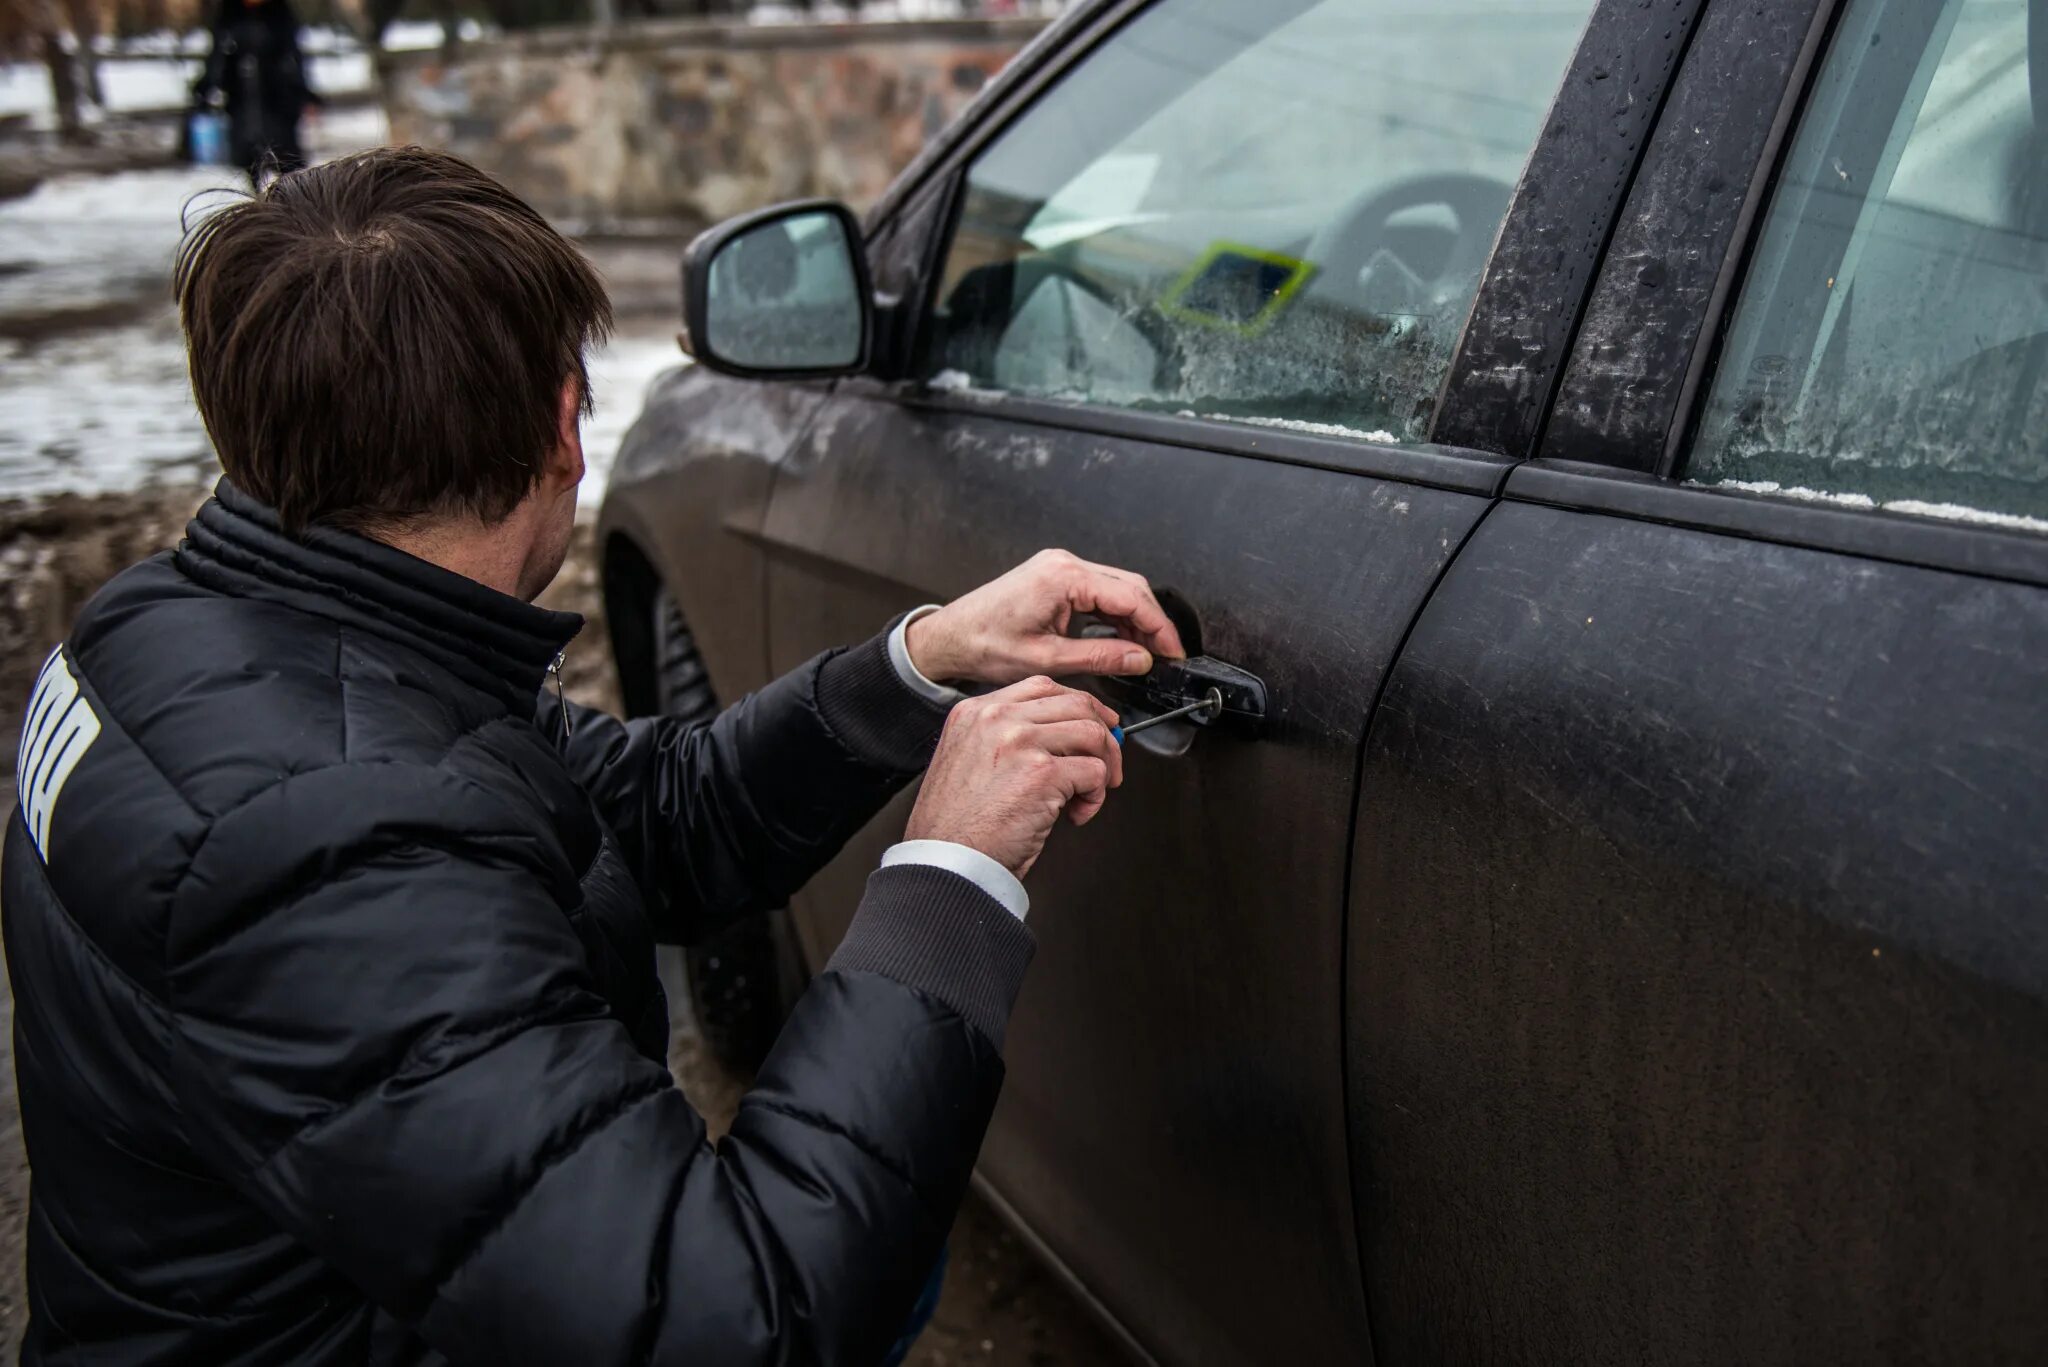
743 981
682 688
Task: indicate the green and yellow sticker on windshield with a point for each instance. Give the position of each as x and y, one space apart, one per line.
1236 288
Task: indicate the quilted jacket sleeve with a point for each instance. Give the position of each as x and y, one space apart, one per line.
731 816
469 1137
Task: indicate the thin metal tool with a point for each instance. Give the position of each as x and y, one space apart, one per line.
1214 700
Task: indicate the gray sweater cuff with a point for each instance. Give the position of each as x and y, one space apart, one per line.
878 716
936 932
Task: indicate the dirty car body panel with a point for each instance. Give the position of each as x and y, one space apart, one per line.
1185 990
1625 939
1697 957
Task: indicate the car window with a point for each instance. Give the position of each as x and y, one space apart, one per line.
1890 344
1276 213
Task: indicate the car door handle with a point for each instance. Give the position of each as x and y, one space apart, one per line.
1174 684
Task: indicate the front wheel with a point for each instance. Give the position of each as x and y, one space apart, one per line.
743 981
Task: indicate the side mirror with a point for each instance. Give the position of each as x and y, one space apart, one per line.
780 293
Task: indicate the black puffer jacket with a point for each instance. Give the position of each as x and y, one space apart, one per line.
337 1028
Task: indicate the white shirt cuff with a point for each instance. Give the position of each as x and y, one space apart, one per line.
899 656
971 864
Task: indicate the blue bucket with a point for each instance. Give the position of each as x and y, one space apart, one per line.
209 137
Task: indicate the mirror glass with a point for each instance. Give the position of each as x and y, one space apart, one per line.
784 296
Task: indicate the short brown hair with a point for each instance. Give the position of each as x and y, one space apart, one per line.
384 338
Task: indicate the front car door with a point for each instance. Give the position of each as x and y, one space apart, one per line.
1698 964
1187 305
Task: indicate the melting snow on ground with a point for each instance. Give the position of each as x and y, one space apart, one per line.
155 71
1953 512
93 391
97 411
141 84
78 242
112 410
620 375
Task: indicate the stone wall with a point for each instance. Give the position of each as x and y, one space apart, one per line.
674 125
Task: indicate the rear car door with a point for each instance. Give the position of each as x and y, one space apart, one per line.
1186 303
1698 1000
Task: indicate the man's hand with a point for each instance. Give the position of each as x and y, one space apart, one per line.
1016 626
1010 763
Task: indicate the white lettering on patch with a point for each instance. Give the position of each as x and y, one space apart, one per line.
61 726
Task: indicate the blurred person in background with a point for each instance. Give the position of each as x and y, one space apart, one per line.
258 73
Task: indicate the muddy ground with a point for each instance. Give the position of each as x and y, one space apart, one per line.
1000 1306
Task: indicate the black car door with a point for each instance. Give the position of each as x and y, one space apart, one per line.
1698 998
1186 304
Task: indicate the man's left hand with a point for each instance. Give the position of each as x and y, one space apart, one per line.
1016 626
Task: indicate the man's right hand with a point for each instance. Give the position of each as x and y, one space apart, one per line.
1010 764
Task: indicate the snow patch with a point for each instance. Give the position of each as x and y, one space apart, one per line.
141 83
93 389
1319 429
1956 512
961 383
349 128
1912 507
883 11
98 411
411 35
1804 495
113 410
151 198
621 373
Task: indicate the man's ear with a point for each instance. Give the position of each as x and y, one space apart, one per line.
565 463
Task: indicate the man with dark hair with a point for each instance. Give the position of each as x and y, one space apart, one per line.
337 1031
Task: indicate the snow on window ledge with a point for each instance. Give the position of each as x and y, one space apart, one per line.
1317 429
1950 512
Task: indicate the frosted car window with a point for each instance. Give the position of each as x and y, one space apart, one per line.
1274 212
1064 340
1890 345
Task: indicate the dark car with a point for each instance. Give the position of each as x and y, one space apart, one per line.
1599 451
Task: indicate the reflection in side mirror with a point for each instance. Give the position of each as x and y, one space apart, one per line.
779 293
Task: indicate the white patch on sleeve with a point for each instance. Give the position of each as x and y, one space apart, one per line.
61 726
